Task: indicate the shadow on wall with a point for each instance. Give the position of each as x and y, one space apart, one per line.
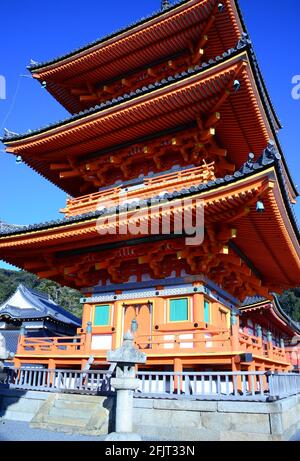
110 405
8 397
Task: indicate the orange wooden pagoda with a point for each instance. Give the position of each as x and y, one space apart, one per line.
167 114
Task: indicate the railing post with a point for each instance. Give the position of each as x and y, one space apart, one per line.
88 338
259 334
21 341
270 345
235 343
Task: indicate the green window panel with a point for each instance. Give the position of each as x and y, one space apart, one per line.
101 317
179 310
206 311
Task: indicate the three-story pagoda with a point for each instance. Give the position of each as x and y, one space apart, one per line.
165 114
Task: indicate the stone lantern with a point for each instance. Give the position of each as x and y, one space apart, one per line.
125 383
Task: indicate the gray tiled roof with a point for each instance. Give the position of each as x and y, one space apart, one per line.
36 305
251 300
4 227
11 339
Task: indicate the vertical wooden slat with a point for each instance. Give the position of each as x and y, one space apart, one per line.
227 385
261 385
235 385
253 389
244 385
219 385
150 384
210 385
164 385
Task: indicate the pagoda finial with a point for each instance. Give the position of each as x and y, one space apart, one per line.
9 134
165 4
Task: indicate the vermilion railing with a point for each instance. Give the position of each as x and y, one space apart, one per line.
44 346
174 341
149 188
165 342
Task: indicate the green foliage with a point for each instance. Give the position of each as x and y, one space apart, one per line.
290 301
65 297
70 299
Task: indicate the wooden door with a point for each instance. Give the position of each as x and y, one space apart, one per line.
142 313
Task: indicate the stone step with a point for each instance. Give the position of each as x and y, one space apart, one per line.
66 421
76 413
72 405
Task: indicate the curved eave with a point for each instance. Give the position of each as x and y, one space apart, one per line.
174 104
144 34
163 37
276 125
282 314
82 234
274 307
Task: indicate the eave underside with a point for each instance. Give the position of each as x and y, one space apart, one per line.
77 256
240 129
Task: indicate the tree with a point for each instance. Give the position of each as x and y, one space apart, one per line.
64 296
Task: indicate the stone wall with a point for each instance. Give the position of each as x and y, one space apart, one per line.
184 420
21 405
212 421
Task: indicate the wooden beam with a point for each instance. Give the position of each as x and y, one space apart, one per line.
69 174
212 120
59 166
48 274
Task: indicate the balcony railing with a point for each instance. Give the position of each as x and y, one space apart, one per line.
44 346
169 342
236 386
149 188
210 340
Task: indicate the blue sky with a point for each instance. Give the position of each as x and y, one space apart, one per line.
41 31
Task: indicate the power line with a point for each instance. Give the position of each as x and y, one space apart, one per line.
14 100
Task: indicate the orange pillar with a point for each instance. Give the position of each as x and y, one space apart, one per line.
198 316
88 338
86 315
177 369
51 366
159 320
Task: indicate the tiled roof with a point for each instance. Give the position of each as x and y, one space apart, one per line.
283 314
269 157
35 65
4 227
11 339
251 300
30 304
243 44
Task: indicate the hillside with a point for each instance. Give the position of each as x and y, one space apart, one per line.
69 299
65 297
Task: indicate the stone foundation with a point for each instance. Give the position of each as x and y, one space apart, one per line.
159 419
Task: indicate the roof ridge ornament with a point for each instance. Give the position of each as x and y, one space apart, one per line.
32 63
243 41
249 165
9 134
270 154
165 4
